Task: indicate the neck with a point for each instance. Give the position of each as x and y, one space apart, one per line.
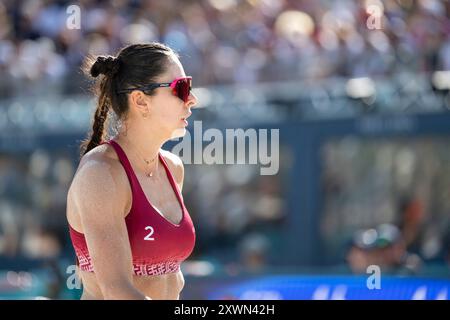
141 146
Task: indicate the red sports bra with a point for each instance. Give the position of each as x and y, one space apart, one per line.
158 246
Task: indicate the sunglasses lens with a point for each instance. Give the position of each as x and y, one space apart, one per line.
183 88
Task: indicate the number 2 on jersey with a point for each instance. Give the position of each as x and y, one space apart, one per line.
149 236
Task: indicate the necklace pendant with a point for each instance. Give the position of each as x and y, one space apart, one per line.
150 174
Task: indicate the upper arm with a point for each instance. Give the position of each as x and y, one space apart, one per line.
100 198
176 167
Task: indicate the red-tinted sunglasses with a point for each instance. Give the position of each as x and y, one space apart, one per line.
181 87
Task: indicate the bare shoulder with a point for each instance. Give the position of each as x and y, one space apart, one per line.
102 161
175 165
100 178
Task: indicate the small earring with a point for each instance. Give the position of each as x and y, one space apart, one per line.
145 115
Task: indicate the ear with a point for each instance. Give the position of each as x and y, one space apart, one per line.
140 101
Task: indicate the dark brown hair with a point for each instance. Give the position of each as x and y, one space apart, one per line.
135 65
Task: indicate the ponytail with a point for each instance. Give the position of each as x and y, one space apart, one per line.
108 67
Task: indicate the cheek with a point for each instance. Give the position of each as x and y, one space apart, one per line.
170 118
169 113
173 112
165 112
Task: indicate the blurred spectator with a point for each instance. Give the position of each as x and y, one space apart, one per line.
446 248
411 222
254 251
358 257
383 247
393 254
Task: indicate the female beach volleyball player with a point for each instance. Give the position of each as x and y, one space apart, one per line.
127 220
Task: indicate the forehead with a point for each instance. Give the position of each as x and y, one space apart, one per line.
174 70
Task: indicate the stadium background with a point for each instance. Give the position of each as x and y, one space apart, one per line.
364 124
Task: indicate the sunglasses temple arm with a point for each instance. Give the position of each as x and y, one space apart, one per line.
144 88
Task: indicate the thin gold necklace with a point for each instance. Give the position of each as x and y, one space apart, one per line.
148 162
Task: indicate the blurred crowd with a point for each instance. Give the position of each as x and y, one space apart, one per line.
33 189
224 41
390 197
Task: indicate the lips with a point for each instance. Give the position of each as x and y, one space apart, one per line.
185 118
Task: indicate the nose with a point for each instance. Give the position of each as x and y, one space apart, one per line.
192 100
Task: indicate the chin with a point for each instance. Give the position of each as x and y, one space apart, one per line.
178 133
